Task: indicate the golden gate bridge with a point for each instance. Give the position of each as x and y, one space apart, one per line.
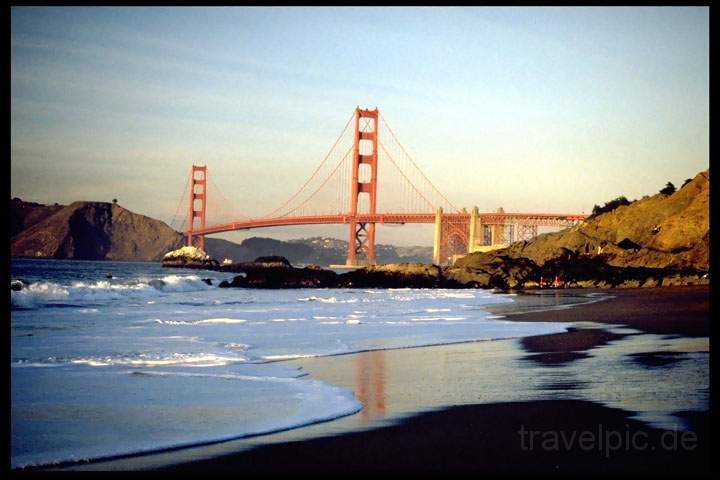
348 188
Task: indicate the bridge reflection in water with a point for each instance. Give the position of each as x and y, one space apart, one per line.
370 384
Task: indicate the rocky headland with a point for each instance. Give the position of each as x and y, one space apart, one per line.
659 240
88 231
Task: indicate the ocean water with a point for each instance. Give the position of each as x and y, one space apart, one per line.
117 358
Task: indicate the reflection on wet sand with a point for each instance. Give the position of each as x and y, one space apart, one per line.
370 384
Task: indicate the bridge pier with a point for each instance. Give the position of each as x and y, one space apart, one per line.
472 241
361 241
365 152
198 198
438 236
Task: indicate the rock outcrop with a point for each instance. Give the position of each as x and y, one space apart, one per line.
393 275
277 272
189 257
492 271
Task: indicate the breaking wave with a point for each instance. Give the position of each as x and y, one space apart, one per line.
327 300
209 321
80 293
139 360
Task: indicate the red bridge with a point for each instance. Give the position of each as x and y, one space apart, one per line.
348 187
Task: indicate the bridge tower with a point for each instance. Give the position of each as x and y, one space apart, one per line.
198 203
364 182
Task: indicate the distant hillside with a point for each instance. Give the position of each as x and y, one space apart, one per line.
314 250
105 231
90 231
326 251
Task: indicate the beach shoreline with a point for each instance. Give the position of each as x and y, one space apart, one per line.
420 403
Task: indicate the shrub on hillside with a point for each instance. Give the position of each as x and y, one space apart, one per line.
669 189
609 206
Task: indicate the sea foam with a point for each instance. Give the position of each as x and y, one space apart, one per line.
80 293
209 321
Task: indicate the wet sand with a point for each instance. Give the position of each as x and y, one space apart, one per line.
490 437
672 311
668 310
625 389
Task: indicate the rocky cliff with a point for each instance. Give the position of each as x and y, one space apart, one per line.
24 215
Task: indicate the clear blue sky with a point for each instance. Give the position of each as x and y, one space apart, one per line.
531 109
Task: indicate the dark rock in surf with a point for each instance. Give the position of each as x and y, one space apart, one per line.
393 275
277 272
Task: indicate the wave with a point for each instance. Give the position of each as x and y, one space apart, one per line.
140 360
225 376
314 402
290 356
209 321
455 295
81 293
327 300
429 319
29 363
233 302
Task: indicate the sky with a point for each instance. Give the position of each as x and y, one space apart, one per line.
531 109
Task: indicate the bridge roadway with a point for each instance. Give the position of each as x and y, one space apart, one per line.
538 219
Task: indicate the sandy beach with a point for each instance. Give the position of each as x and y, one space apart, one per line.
625 389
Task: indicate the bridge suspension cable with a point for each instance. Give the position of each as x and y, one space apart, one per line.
177 210
429 182
227 208
325 182
307 182
429 203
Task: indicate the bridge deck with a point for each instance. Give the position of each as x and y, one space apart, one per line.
539 219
